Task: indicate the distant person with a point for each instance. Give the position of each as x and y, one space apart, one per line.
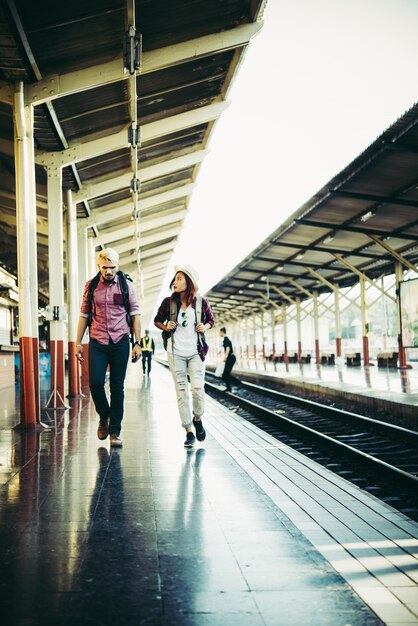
229 358
184 317
109 304
147 348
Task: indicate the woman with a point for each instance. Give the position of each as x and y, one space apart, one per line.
186 346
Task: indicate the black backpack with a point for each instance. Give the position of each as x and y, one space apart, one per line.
125 295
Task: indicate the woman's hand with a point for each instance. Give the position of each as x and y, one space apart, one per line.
200 328
171 325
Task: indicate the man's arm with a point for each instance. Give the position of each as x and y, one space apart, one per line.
136 325
81 329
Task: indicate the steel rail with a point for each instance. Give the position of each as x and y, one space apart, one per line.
405 477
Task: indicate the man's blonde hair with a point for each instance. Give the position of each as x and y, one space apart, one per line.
108 255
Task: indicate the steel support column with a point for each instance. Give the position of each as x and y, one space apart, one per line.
337 315
273 334
262 336
299 330
56 287
91 258
247 338
255 334
284 316
364 322
402 352
72 296
25 219
83 276
31 183
316 326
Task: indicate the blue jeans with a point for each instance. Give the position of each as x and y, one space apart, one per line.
116 356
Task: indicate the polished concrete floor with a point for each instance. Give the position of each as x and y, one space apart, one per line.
150 534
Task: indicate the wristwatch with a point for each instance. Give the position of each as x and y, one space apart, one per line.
137 343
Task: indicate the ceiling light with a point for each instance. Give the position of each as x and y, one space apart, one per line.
300 255
263 277
329 238
240 291
367 216
279 268
251 285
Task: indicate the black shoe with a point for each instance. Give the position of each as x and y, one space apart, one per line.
190 440
200 431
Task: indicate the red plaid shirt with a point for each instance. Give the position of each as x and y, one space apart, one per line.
163 316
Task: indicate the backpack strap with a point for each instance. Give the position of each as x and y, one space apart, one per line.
198 312
173 310
90 298
125 296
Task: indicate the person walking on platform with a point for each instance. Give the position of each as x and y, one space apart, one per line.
147 348
108 306
184 317
229 358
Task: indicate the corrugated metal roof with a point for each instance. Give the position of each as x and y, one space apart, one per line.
59 38
383 181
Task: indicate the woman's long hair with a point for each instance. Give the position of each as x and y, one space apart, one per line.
190 290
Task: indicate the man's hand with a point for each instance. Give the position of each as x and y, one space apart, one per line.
136 353
79 349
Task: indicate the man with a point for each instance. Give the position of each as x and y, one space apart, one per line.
229 358
107 310
147 349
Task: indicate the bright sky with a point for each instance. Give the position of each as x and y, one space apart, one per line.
318 84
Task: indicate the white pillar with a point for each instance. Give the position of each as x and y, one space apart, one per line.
26 257
316 327
91 259
337 320
299 330
72 296
56 285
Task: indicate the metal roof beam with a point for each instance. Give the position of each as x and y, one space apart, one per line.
124 233
283 294
328 249
393 253
364 276
61 85
90 149
374 198
124 210
354 229
148 173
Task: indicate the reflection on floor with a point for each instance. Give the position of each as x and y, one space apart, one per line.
150 534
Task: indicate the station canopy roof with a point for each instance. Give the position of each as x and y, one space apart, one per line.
360 223
70 57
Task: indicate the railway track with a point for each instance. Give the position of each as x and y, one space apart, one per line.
377 456
389 449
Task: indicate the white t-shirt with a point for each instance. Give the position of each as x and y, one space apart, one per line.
185 336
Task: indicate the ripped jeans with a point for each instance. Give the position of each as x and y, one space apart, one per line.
180 366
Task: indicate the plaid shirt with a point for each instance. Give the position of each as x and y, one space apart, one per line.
163 316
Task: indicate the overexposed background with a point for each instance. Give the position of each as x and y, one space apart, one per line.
318 84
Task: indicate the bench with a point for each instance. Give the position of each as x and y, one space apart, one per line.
293 358
387 359
353 359
305 358
327 358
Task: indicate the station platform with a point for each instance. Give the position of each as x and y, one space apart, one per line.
242 530
388 390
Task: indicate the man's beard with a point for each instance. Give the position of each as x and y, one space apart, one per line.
108 281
